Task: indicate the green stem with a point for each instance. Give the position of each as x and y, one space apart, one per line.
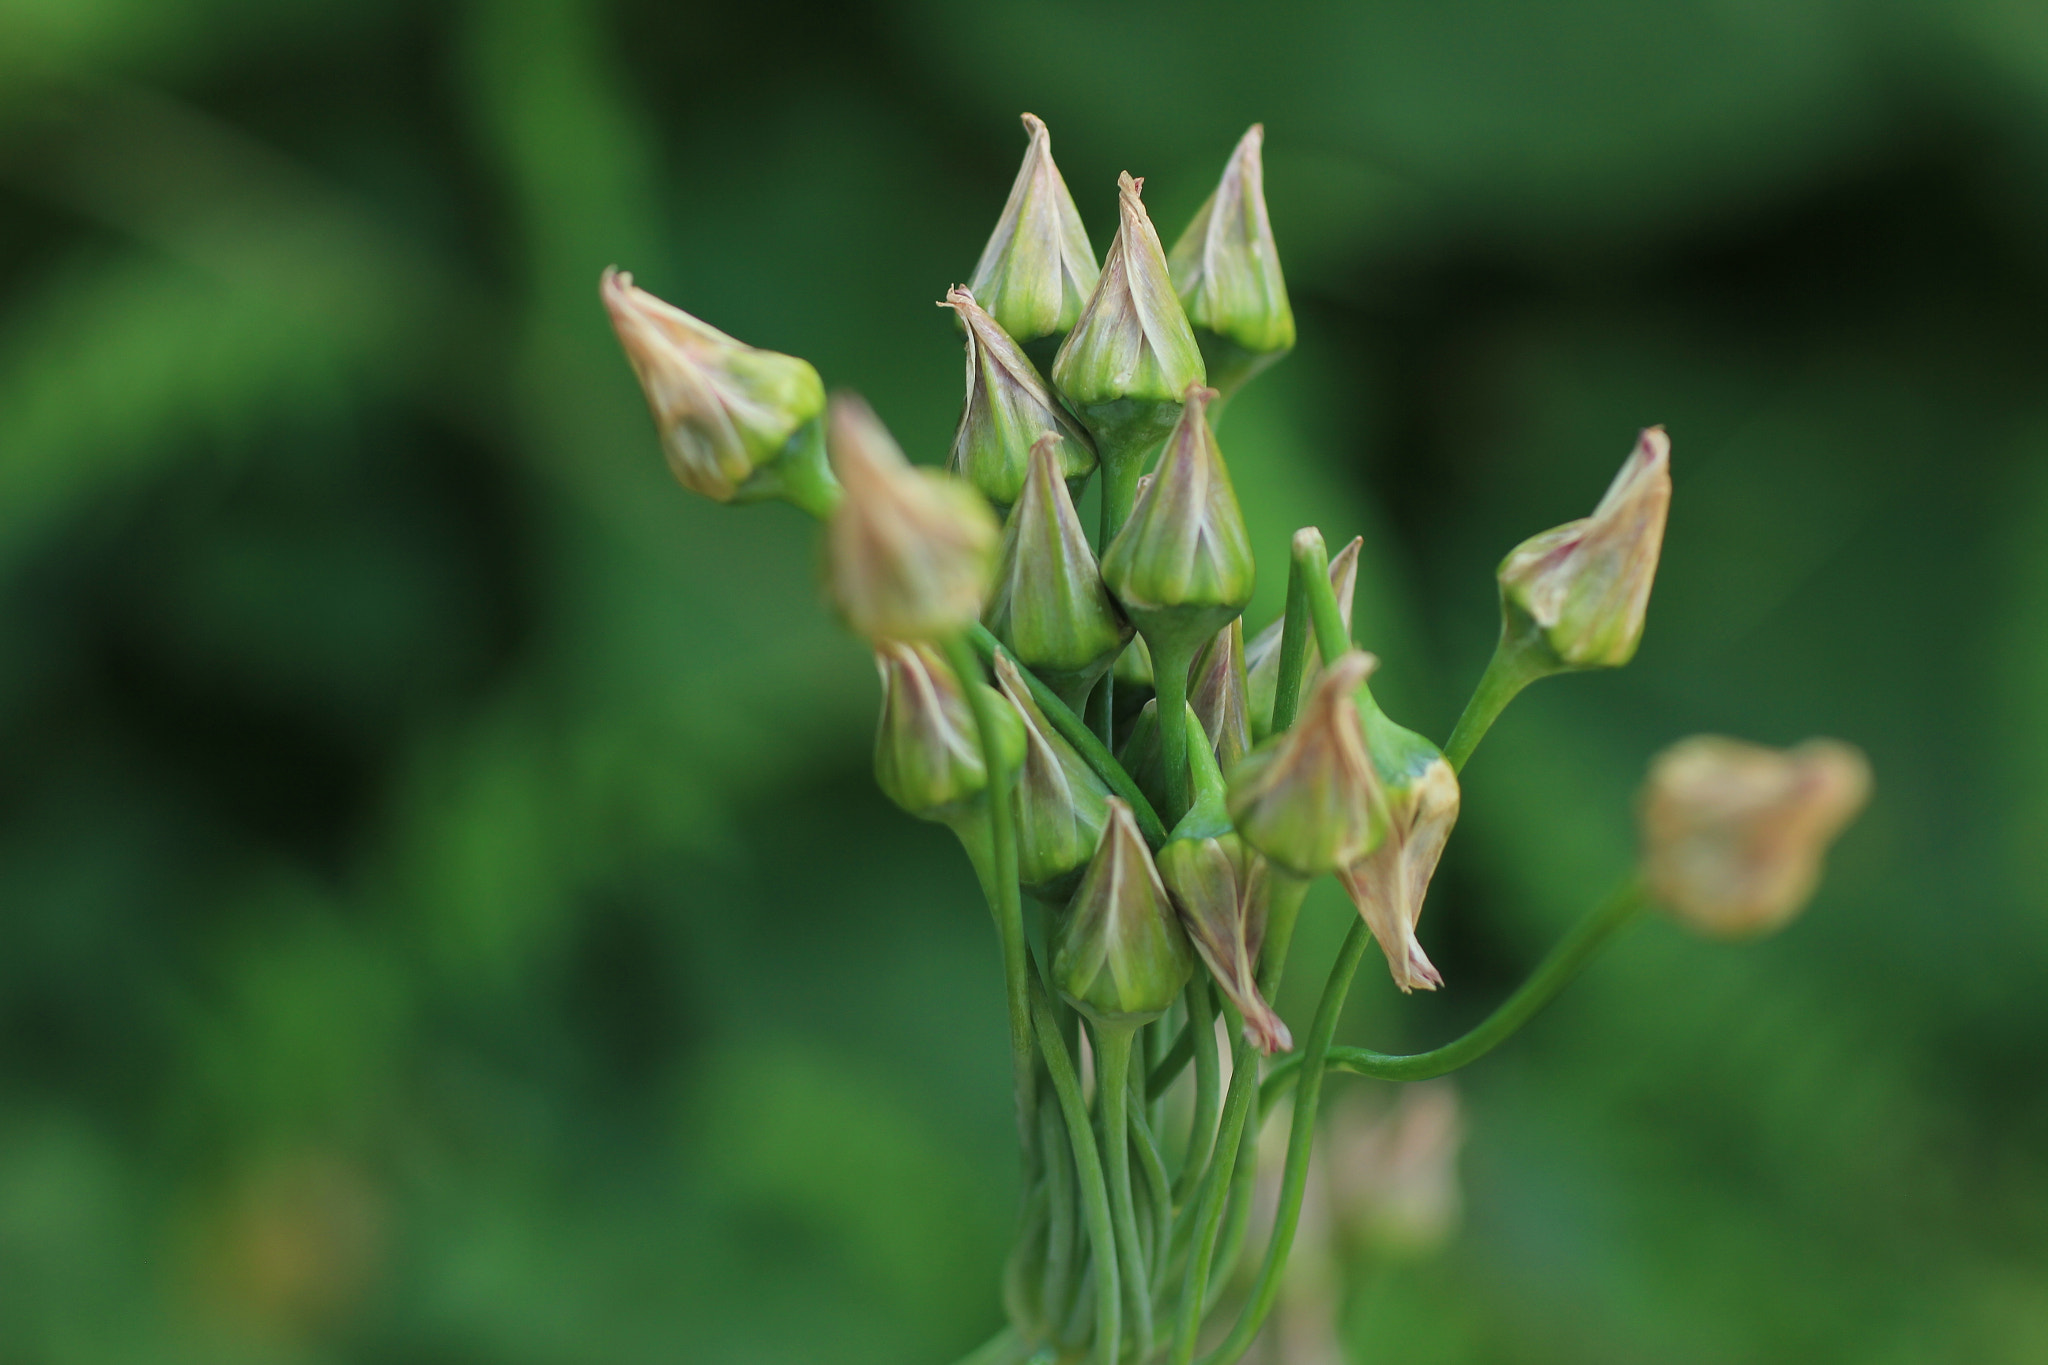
1208 1085
1161 1192
1333 637
1237 1105
1094 1190
1076 732
1170 662
1300 1137
1507 673
1294 636
1004 1348
1552 975
1113 1089
1284 894
1172 1064
1056 1292
1008 904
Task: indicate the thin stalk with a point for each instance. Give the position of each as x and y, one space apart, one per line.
1300 1137
1172 1064
1056 1292
1294 637
1208 1086
1076 732
1333 637
1113 1089
1160 1191
1552 975
1507 673
1284 894
1008 903
1094 1190
1237 1105
1170 662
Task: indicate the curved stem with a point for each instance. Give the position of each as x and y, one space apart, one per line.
1300 1137
1552 975
1056 1292
1333 637
1094 1190
1076 732
1113 1090
1237 1105
1208 1084
1507 673
1008 902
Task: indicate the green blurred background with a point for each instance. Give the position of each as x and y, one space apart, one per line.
445 917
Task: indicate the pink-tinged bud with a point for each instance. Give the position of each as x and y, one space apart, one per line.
1061 804
1038 270
1262 655
1118 954
1310 798
1388 887
1220 889
1734 834
1008 409
910 550
1394 1175
928 757
1575 595
1217 693
1131 354
1227 271
725 410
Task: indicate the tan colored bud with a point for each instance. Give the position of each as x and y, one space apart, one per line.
1217 692
1008 408
724 409
1038 270
1734 834
928 757
1310 799
1394 1174
1226 266
1262 655
910 550
1118 954
1061 804
1388 887
1579 591
1220 888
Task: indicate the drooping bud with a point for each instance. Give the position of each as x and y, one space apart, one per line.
1310 799
1182 565
1131 355
1734 834
1262 655
726 411
1038 270
1118 954
1388 886
1217 692
928 757
1008 408
1227 272
1574 596
1049 605
1220 887
910 550
1061 804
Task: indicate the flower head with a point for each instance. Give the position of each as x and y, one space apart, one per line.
1038 270
1225 265
1061 804
1118 954
1389 884
928 757
1008 407
1310 799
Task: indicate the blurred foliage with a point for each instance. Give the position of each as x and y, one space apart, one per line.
444 916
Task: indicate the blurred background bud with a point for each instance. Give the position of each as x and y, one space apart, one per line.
724 409
1262 655
1393 1169
1131 355
928 757
1577 593
1310 798
1061 804
1227 272
1118 953
1734 834
1007 409
910 550
1038 270
1049 605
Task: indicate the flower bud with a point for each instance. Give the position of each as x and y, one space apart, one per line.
1262 655
1062 805
1118 954
910 550
1216 691
724 409
928 756
1310 798
1734 833
1182 565
1038 270
1227 272
1008 408
1048 604
1394 1176
1575 595
1388 885
1131 355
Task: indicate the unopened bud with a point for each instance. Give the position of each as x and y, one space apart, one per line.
1734 834
1038 270
1575 595
725 410
1227 272
1118 954
1131 355
1217 693
910 550
1182 565
1394 1176
1049 605
1389 885
1061 804
928 756
1008 408
1310 799
1262 655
